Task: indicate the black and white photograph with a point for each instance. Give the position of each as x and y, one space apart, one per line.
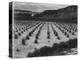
42 29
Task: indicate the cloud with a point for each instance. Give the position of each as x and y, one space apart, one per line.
37 7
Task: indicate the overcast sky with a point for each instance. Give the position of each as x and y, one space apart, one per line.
37 7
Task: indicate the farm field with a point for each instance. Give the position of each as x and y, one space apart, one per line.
42 38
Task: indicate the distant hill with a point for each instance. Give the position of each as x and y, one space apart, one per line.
23 14
68 14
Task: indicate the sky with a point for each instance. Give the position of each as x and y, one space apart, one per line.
37 7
